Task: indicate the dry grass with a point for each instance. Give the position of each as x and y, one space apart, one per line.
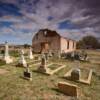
43 87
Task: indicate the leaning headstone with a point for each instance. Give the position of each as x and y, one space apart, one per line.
68 89
7 58
22 61
75 74
42 67
30 54
28 74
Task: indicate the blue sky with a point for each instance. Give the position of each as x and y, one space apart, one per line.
21 19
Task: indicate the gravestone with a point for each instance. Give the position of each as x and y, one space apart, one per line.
7 58
28 74
77 56
30 53
75 74
59 54
22 61
42 67
50 54
43 55
22 51
84 56
73 55
68 89
46 56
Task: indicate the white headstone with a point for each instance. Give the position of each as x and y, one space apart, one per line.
22 51
6 56
45 32
59 54
72 54
30 54
50 54
22 60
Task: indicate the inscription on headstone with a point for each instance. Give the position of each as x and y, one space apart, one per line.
27 74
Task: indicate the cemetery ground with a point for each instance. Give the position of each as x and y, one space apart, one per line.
44 87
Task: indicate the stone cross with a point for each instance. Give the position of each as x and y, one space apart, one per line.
30 53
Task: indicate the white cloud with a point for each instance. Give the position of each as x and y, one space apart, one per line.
9 18
60 10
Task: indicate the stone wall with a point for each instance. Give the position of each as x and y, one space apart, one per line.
65 43
54 42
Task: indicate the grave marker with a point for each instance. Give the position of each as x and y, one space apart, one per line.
7 58
42 67
30 53
75 74
50 54
68 89
28 74
22 61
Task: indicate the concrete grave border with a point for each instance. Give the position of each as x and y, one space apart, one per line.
30 63
57 69
49 72
37 63
84 81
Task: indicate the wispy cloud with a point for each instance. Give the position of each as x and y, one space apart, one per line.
71 18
